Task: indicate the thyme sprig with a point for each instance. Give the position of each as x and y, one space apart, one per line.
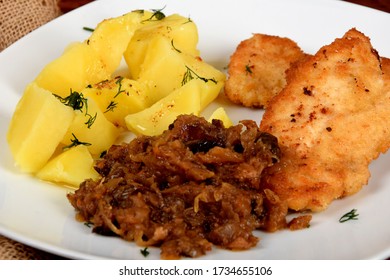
190 75
351 215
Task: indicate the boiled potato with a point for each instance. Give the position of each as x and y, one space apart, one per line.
220 114
38 124
93 60
179 30
165 69
63 74
91 128
119 97
71 167
155 119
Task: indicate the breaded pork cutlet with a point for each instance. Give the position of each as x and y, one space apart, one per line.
331 119
257 68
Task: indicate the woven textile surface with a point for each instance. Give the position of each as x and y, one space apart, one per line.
19 17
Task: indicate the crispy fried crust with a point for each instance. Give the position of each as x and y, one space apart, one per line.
257 68
332 119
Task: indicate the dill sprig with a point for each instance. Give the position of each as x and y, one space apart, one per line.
173 46
120 90
351 215
78 102
190 75
145 252
157 15
111 106
75 142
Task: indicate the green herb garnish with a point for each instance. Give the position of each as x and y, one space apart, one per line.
77 101
111 106
248 69
120 90
173 46
190 75
351 215
157 15
91 119
88 224
76 142
88 29
145 252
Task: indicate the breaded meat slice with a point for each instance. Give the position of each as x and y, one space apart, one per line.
331 120
256 70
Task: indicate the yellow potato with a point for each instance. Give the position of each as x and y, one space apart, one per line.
220 114
71 167
155 119
119 97
93 60
165 69
38 124
112 36
179 30
63 74
91 128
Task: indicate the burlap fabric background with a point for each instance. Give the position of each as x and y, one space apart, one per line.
19 17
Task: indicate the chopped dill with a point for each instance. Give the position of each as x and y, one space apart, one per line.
188 20
74 100
120 90
77 102
351 215
76 142
248 69
88 224
190 75
173 46
111 107
91 119
88 29
157 15
145 252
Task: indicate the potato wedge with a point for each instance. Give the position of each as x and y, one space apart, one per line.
38 124
179 30
220 114
71 167
118 98
165 69
157 118
91 128
93 60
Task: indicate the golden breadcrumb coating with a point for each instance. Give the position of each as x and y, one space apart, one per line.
257 68
331 119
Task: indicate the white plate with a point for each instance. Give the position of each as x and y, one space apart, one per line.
39 214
